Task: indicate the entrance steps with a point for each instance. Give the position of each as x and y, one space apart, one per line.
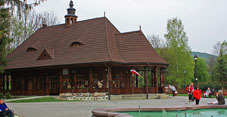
138 96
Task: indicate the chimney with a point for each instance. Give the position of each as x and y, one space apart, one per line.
70 18
44 25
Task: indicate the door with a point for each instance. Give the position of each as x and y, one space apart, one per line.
30 86
54 85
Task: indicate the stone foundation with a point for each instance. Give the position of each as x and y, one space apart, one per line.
84 96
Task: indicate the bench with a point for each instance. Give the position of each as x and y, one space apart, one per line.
225 93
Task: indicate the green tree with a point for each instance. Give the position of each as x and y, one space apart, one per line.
202 70
7 9
4 38
22 28
221 66
178 53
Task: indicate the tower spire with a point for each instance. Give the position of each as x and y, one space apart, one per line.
70 17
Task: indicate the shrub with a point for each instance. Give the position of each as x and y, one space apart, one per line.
8 95
1 95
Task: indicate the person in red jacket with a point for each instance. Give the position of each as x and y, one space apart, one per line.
197 95
189 91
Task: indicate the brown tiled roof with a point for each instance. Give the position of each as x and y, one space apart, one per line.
102 42
135 48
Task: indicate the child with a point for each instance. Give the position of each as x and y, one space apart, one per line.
197 95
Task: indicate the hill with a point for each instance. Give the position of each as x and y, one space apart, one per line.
205 56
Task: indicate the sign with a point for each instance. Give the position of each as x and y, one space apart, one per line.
65 71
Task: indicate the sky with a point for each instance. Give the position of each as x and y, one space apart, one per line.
205 21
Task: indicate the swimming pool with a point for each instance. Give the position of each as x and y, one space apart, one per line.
186 113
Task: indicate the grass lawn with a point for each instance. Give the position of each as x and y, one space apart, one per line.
17 97
43 99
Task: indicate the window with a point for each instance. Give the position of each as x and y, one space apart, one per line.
16 83
54 82
116 80
76 44
80 81
41 82
31 49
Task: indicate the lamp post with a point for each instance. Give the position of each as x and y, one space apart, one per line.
184 79
195 75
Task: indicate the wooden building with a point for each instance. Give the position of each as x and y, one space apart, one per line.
83 56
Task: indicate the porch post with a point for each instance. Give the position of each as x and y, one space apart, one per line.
75 83
90 80
110 82
152 78
104 80
34 85
60 83
155 80
47 84
137 83
121 81
162 79
132 83
1 82
22 84
146 82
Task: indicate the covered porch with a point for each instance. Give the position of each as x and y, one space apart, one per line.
113 80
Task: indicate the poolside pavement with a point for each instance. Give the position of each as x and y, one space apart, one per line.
84 108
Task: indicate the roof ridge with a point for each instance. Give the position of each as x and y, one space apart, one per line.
129 32
107 41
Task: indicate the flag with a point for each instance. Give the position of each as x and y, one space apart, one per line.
135 72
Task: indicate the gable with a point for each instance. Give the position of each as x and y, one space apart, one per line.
44 55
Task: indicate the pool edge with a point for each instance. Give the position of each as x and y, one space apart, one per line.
113 112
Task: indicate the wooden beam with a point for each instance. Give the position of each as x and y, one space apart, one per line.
132 83
121 81
34 87
104 79
91 81
110 81
162 78
146 82
74 80
1 82
60 83
155 80
22 85
137 82
152 78
47 84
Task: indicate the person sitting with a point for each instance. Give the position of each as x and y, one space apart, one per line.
207 93
100 85
5 110
173 89
220 98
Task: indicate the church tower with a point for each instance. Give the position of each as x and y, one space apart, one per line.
70 18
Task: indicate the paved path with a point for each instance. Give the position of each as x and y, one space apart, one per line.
35 97
83 108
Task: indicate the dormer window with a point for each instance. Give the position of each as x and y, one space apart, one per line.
76 44
31 49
